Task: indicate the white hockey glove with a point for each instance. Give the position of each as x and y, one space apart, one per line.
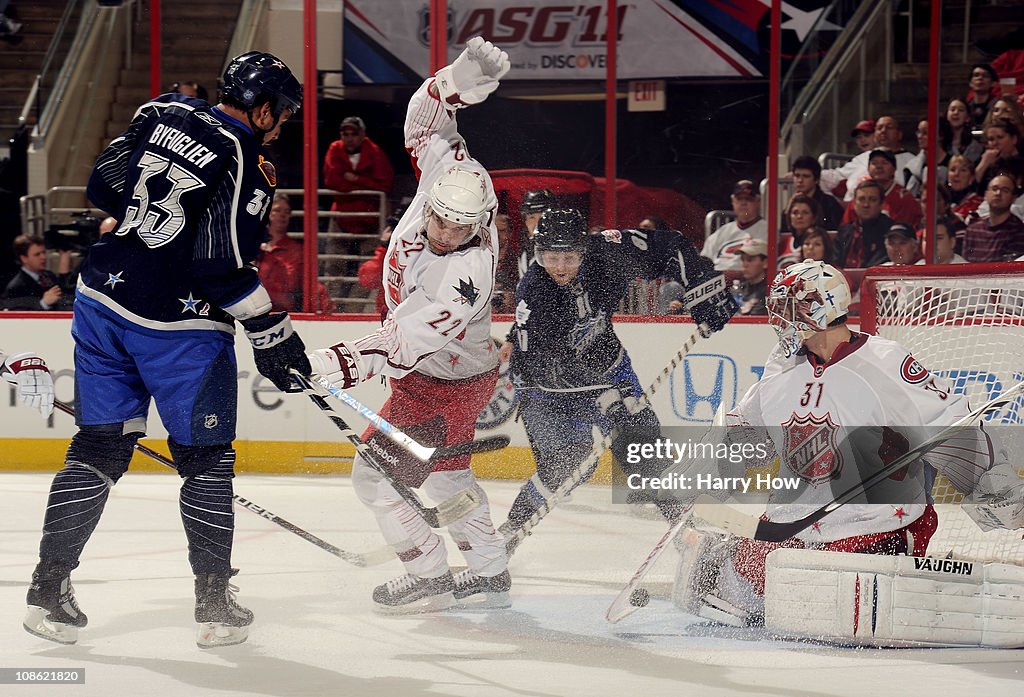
1004 512
28 372
473 75
340 364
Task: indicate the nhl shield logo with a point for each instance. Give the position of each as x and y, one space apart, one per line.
812 452
210 421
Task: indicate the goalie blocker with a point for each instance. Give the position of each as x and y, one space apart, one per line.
894 600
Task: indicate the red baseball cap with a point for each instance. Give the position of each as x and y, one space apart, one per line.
865 126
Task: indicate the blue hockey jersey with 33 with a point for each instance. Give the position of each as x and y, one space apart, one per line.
192 189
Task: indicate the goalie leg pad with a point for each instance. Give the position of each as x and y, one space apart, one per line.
894 600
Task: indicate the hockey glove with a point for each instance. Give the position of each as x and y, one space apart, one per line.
710 304
473 75
28 372
340 364
276 348
997 512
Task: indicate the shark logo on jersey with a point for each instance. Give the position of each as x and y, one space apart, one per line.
207 118
586 330
468 293
269 171
811 450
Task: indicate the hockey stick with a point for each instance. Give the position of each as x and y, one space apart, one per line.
633 596
372 558
738 523
445 513
422 452
585 468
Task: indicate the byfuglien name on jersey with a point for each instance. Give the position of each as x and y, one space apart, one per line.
178 142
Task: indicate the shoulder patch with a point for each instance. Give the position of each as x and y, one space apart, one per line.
208 118
269 171
913 372
468 293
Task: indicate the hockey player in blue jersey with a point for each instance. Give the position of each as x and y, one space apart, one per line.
191 186
570 369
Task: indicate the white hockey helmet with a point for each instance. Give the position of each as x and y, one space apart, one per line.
459 196
804 299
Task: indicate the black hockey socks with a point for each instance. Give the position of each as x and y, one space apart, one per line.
77 497
208 516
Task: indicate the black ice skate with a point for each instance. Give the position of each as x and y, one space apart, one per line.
222 621
53 612
411 594
483 592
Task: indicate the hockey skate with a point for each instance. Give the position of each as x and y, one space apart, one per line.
482 592
53 612
222 621
410 594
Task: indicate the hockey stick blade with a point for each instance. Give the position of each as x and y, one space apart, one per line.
738 523
444 514
372 558
420 451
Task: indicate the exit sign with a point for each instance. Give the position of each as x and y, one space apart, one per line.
646 95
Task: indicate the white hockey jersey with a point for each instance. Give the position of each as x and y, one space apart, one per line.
439 309
808 411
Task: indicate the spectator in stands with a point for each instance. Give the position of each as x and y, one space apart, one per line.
35 287
964 142
963 189
9 26
753 259
841 182
506 276
723 245
946 230
806 173
818 246
864 135
280 263
897 203
861 242
915 174
803 216
371 271
901 245
191 88
532 208
980 95
1002 137
1000 236
653 222
355 163
1005 108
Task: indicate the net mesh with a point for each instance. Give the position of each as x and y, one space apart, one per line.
966 323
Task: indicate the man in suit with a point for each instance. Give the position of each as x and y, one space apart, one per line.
35 287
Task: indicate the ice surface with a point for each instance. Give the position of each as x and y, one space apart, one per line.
316 634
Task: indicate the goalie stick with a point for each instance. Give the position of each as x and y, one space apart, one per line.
422 452
585 468
736 522
372 558
445 513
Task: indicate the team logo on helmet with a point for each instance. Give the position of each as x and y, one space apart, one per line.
269 171
811 450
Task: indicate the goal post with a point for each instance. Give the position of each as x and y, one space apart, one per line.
964 322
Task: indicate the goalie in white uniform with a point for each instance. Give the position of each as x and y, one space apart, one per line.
830 402
435 346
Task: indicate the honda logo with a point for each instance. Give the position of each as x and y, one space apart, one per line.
708 379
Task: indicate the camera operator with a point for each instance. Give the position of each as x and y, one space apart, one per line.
35 287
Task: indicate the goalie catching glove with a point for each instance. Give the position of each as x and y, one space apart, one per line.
473 75
341 364
29 374
276 348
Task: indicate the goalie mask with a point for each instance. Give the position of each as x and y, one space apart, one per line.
458 201
804 299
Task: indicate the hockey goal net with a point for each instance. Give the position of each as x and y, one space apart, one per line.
966 323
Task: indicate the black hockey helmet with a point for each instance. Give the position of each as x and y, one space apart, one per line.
537 201
561 230
256 74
